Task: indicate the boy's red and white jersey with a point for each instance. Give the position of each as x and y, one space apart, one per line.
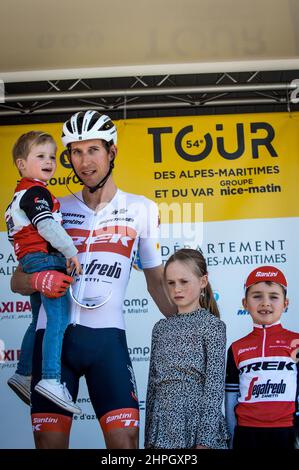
32 203
263 368
107 241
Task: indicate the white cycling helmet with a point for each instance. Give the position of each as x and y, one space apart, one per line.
88 125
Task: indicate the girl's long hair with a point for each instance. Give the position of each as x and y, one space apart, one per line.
198 265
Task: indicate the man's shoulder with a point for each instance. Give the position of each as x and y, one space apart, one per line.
144 204
135 197
69 199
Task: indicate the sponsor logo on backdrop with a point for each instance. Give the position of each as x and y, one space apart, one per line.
245 252
168 250
195 144
242 312
91 416
6 267
236 252
135 305
8 357
207 141
85 417
12 310
139 353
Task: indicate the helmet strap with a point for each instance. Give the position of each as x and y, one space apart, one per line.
93 189
104 180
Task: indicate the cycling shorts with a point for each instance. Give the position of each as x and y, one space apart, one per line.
277 439
101 356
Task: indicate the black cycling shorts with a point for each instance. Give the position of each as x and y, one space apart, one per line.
101 356
250 438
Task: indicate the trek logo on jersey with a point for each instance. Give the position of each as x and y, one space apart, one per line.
267 365
265 390
115 239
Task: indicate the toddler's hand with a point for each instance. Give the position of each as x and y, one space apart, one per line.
73 265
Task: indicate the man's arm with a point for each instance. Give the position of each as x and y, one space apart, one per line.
21 282
154 280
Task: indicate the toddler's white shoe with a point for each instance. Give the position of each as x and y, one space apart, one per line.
21 385
58 394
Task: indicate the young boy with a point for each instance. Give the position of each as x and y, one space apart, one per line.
40 243
262 372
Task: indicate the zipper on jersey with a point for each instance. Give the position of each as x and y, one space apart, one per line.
264 340
85 261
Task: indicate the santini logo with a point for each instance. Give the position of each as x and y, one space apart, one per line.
268 274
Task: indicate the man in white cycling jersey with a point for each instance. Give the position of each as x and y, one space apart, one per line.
108 226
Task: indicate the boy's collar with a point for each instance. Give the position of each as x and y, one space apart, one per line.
34 179
255 325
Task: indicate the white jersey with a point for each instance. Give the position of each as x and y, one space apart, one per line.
107 241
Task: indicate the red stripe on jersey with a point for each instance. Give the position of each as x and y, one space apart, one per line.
266 415
116 239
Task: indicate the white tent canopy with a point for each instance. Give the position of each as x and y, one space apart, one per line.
69 39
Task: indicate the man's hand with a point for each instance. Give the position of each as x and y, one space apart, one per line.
52 284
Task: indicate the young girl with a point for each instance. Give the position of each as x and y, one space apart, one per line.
186 377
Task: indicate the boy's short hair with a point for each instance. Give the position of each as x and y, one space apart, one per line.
266 274
25 142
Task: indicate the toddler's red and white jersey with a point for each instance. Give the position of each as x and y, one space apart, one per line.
32 203
263 368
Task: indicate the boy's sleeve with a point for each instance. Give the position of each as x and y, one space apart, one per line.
37 204
232 391
55 234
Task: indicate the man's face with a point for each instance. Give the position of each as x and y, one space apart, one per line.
265 302
91 160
